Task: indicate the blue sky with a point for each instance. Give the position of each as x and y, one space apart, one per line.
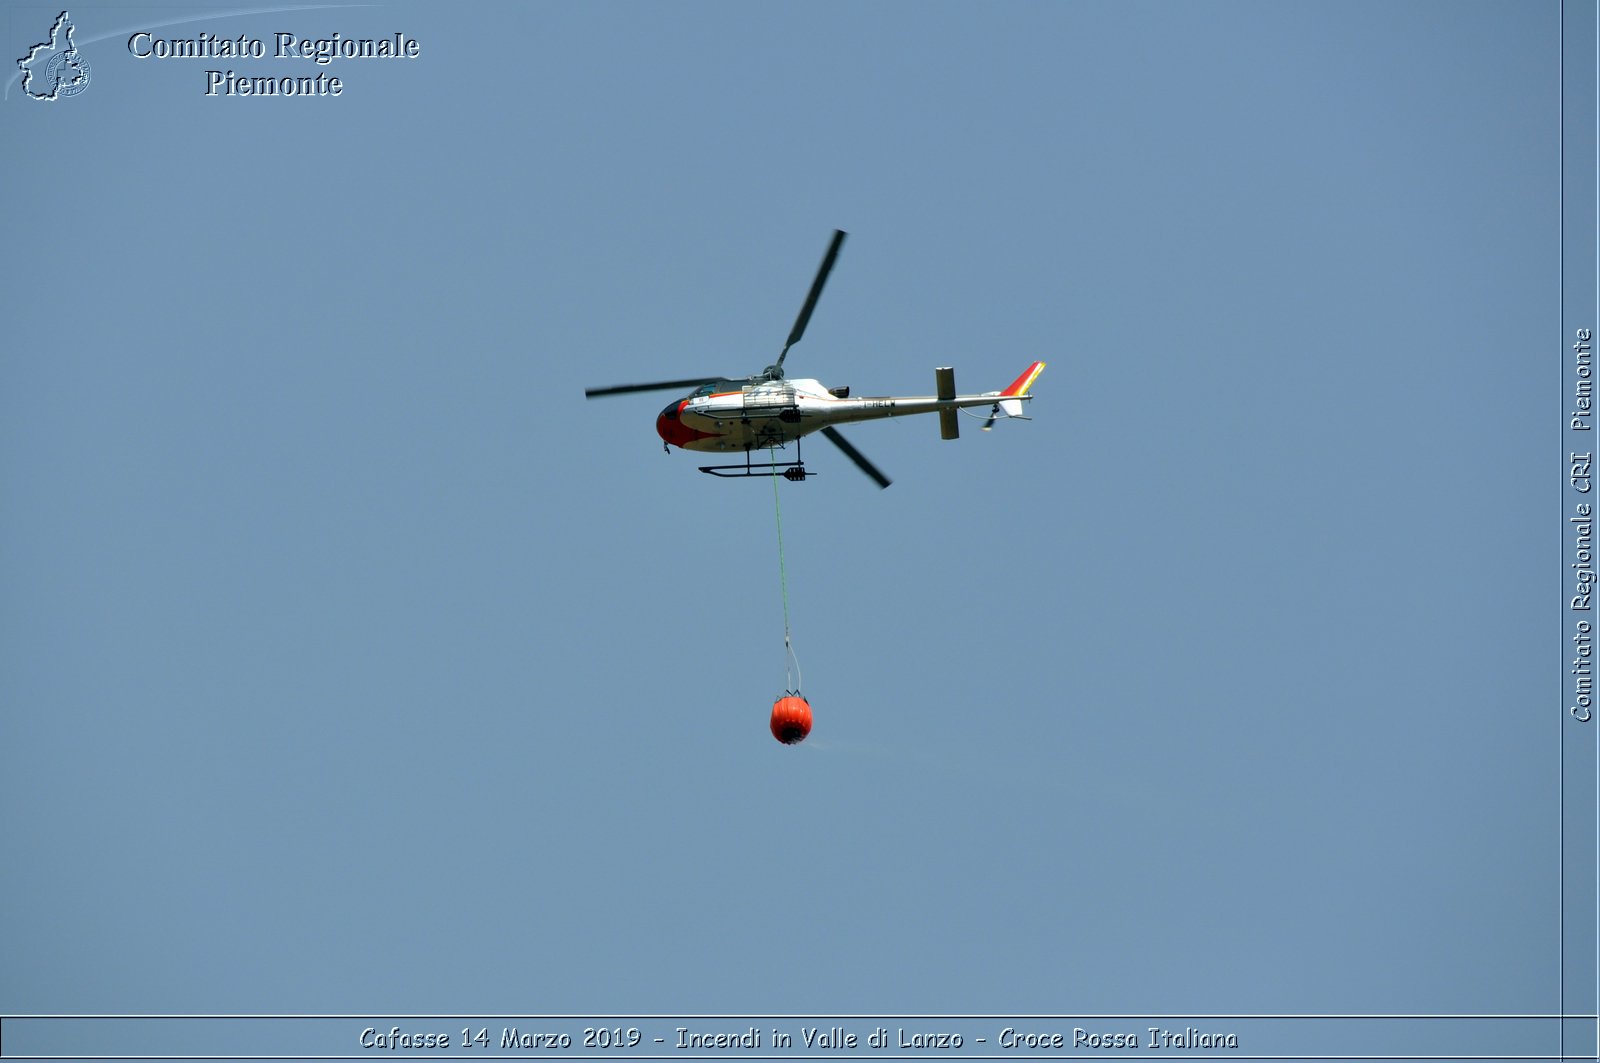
351 660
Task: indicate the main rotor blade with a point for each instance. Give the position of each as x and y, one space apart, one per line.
663 385
855 455
811 298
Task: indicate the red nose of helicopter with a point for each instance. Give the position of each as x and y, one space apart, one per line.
670 427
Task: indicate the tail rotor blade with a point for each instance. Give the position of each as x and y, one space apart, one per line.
660 385
811 297
856 456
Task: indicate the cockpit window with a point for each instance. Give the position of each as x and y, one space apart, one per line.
703 390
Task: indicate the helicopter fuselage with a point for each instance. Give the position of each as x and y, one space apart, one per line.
735 416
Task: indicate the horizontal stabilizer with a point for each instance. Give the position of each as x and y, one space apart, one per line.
944 382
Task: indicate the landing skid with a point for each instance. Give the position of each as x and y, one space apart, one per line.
790 470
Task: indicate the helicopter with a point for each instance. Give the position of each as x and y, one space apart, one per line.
729 415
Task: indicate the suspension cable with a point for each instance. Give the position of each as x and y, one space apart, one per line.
791 663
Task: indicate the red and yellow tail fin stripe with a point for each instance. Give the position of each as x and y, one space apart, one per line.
1021 385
